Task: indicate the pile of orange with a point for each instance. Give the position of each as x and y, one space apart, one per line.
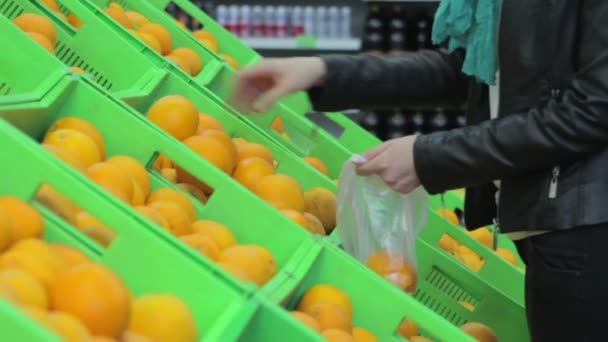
249 163
78 299
81 145
465 254
208 39
328 310
479 331
395 268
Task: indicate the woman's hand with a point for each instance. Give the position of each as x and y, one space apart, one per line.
259 87
393 161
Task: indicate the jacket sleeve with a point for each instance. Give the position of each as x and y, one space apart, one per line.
562 129
367 81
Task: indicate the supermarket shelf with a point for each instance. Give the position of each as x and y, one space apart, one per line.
401 0
352 44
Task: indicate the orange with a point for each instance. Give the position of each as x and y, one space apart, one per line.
507 255
175 196
193 60
74 21
135 169
297 217
70 255
162 162
212 45
119 16
221 137
202 243
58 203
480 332
323 204
317 164
26 221
408 328
330 316
207 39
449 215
29 263
314 224
238 142
219 232
256 261
467 305
138 194
307 319
42 40
277 124
483 235
80 144
154 216
26 289
163 317
419 339
170 174
101 339
336 335
136 18
281 191
100 234
78 70
6 231
149 39
393 267
42 251
85 220
116 6
113 179
249 149
93 293
51 4
36 23
67 156
175 114
132 337
181 63
176 216
468 257
68 326
325 293
249 171
235 270
448 243
230 60
194 191
81 126
363 335
161 33
214 151
206 121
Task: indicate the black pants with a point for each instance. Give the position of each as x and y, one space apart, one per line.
567 284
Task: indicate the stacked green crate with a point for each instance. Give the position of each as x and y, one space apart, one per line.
145 261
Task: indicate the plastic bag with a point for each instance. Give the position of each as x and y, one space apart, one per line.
379 226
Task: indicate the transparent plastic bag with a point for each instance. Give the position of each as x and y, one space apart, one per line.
379 226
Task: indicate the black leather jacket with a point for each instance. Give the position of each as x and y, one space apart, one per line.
548 146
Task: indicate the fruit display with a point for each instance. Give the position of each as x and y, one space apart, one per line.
58 286
226 199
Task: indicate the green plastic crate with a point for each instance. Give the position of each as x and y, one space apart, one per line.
83 48
215 68
256 220
378 305
155 267
496 290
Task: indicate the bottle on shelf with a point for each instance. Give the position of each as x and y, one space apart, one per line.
296 21
257 21
233 19
269 21
322 22
281 21
244 26
374 39
397 31
333 22
397 125
439 121
371 122
345 22
309 20
221 12
419 123
423 32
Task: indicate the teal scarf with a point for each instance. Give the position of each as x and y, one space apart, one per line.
472 25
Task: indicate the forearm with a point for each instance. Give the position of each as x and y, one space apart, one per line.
366 81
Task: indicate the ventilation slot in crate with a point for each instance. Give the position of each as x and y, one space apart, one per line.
5 89
69 57
10 9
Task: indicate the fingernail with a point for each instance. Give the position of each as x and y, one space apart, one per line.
358 159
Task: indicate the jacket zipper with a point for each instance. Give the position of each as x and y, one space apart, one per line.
554 181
